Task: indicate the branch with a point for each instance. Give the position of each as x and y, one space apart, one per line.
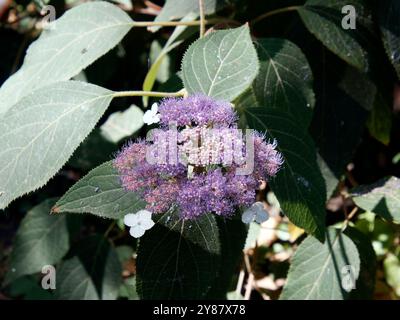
274 12
202 19
148 94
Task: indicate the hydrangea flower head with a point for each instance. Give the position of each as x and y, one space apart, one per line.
203 165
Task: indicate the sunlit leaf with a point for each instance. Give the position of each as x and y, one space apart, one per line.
382 198
324 18
100 193
221 65
77 39
317 269
122 124
40 133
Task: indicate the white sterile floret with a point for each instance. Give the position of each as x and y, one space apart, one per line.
138 222
152 116
255 213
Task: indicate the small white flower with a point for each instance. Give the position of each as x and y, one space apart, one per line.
138 222
152 116
255 212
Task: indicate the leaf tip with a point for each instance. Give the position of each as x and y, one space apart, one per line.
55 210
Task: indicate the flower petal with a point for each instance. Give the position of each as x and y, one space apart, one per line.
262 216
154 108
151 116
131 219
144 215
136 231
147 117
248 216
156 118
147 224
258 206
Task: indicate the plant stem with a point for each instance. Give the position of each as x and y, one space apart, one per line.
148 94
215 20
250 279
239 285
349 217
20 52
111 226
202 19
167 23
274 12
352 213
249 287
181 23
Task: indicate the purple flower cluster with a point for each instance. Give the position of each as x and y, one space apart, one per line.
195 187
197 110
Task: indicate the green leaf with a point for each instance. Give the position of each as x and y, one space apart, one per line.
317 268
221 65
128 289
120 125
391 266
382 198
285 80
365 284
81 36
126 4
323 18
299 185
93 151
339 122
233 234
252 235
381 233
389 17
331 180
40 133
396 159
162 61
28 288
190 256
379 122
100 193
102 264
124 252
177 9
74 282
42 239
177 38
247 99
